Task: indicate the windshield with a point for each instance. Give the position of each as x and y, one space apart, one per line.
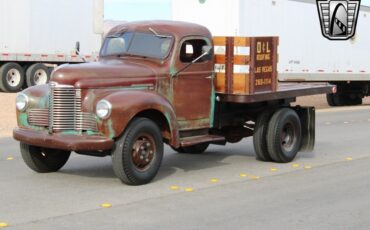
137 44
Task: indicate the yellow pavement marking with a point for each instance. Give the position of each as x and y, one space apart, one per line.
106 205
174 187
254 177
243 175
296 165
273 169
307 167
214 180
9 158
349 158
327 123
3 225
189 189
368 120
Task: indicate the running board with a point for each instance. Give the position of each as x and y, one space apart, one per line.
188 141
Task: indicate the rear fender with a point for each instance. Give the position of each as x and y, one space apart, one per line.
127 104
307 116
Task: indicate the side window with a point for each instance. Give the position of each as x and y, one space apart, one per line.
191 49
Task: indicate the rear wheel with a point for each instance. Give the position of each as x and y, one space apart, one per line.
43 160
37 74
193 149
284 136
11 77
138 153
259 136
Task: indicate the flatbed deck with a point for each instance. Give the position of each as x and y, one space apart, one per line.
284 91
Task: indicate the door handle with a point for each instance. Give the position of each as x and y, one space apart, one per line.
209 77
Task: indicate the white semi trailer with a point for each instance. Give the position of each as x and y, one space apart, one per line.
37 35
304 54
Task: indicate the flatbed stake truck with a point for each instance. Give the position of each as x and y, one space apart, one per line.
167 82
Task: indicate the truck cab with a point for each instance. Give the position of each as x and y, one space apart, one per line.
155 83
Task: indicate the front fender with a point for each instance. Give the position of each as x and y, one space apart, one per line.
127 104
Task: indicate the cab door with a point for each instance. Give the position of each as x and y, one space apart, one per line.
193 87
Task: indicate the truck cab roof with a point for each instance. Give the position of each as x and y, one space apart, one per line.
175 28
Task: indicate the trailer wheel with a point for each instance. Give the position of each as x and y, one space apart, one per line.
259 136
330 99
43 160
11 77
37 74
354 100
194 149
284 135
138 154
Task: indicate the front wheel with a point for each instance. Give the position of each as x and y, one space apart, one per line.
44 160
138 154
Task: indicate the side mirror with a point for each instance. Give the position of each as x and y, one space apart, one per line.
77 47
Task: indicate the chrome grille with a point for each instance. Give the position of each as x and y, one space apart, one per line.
64 111
38 117
63 108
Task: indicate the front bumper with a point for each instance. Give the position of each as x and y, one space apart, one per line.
63 141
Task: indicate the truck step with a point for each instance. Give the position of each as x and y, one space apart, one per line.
188 141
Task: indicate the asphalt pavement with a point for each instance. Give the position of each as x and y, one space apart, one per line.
224 188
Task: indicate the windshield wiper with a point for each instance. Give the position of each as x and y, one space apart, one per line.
159 35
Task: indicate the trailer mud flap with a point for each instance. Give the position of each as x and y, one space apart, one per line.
307 116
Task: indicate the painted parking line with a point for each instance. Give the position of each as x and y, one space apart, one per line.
106 205
188 189
3 225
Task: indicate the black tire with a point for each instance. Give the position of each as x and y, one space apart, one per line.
134 142
37 74
330 99
284 137
11 77
43 160
354 100
194 149
259 136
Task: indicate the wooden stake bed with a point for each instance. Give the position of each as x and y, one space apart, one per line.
246 72
245 65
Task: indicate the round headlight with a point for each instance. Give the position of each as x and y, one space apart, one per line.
21 101
103 109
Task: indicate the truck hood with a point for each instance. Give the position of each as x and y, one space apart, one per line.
107 73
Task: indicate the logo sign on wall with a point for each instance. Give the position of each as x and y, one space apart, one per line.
338 18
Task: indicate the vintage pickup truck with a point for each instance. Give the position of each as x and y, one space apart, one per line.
162 82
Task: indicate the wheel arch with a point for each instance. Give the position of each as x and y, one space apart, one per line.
128 105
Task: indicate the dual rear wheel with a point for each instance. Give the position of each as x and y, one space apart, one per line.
13 76
277 135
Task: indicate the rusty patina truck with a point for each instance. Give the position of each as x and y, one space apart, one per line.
162 82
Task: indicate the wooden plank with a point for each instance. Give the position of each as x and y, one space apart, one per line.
219 41
242 41
220 82
238 59
240 83
238 41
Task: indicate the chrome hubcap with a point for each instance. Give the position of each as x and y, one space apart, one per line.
13 77
40 77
